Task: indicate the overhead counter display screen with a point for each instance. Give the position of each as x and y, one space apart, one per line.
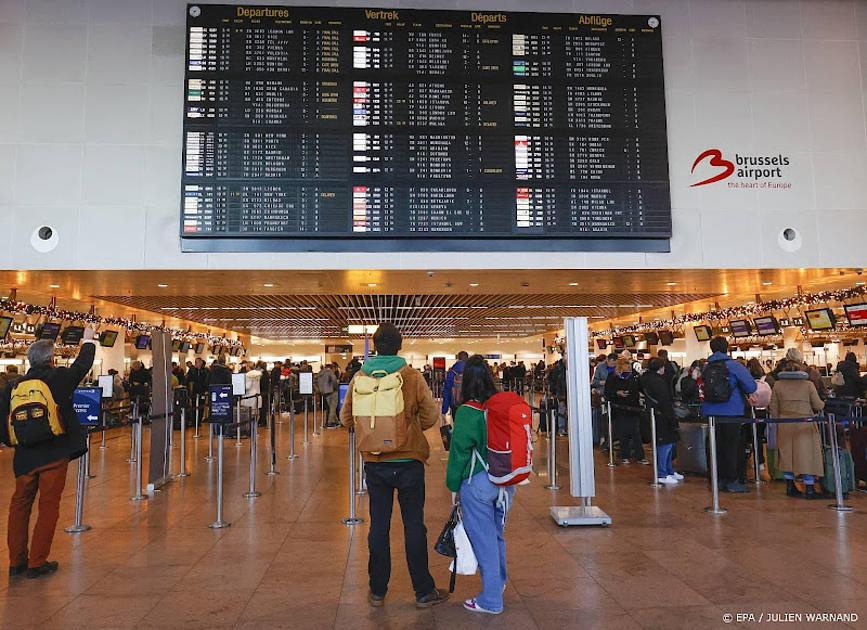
310 128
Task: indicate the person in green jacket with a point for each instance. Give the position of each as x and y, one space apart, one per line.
483 504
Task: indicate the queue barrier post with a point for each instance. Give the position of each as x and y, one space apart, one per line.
251 492
102 444
273 438
90 475
655 483
197 400
219 523
552 451
292 456
133 417
352 519
316 430
238 423
306 414
138 496
210 456
838 504
182 467
714 472
756 466
78 526
611 463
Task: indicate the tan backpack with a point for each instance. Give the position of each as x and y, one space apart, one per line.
378 411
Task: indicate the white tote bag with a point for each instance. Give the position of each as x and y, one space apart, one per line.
466 560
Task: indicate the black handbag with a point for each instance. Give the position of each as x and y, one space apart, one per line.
445 544
446 435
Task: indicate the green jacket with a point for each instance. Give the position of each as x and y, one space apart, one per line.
470 432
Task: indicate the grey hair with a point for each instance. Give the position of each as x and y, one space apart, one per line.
40 353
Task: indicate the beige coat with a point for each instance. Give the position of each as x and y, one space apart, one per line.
798 444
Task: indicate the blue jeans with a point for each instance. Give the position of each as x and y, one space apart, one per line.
663 460
808 480
484 522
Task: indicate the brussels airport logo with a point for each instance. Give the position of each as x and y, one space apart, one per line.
744 171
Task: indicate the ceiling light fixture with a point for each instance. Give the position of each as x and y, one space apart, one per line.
268 285
767 283
162 286
53 286
474 284
671 284
371 284
573 284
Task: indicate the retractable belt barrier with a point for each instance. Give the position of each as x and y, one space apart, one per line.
353 518
829 420
219 523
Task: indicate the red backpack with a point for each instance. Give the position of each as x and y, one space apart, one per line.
510 444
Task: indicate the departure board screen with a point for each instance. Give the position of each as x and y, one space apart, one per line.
345 129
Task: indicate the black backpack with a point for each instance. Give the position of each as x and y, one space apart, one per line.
717 387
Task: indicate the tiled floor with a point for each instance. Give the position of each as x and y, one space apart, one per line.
288 562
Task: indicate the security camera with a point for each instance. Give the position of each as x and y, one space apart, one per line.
44 239
859 271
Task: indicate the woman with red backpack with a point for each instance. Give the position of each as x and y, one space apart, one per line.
485 483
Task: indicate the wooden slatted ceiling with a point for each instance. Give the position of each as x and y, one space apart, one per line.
284 317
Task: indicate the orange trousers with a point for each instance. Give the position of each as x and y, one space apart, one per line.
48 481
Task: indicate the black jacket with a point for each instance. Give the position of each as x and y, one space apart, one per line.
62 383
658 396
197 380
623 407
853 383
220 375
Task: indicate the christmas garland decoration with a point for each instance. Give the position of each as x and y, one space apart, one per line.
15 307
716 316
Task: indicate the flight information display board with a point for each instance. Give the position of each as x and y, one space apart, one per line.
341 129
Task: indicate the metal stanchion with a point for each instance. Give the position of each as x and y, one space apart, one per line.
273 437
655 483
210 456
611 463
90 475
182 467
219 523
714 472
361 490
238 422
139 496
292 456
552 451
838 504
78 526
197 399
316 430
135 418
352 519
305 420
102 442
251 493
756 467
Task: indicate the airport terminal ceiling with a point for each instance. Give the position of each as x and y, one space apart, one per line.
282 305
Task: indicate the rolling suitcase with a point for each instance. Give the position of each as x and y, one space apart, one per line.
847 471
692 448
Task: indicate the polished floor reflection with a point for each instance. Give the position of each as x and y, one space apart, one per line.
288 562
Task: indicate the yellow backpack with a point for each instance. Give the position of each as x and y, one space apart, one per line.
34 416
377 408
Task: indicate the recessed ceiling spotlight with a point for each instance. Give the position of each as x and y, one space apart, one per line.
162 286
474 284
573 284
268 285
767 283
371 284
860 284
671 284
53 286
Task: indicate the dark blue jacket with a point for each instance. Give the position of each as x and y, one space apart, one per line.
742 383
457 368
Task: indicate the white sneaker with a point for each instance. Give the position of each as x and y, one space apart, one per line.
472 605
678 476
669 481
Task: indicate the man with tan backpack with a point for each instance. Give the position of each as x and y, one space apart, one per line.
390 406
